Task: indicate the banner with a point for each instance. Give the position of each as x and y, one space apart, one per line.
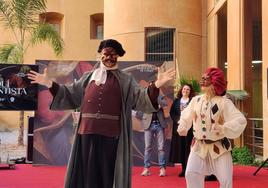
144 73
53 130
16 91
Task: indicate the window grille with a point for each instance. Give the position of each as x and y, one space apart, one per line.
159 44
255 139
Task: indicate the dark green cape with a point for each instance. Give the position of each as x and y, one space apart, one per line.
134 97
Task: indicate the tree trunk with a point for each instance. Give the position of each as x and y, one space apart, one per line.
21 129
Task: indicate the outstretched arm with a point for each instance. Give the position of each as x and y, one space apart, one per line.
38 78
153 89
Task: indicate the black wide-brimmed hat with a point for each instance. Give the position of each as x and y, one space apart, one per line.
113 44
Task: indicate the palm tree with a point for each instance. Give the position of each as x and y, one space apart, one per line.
21 17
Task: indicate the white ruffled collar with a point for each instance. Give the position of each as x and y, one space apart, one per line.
100 74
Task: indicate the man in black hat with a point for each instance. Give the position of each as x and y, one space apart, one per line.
101 154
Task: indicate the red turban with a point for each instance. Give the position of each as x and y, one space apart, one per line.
217 80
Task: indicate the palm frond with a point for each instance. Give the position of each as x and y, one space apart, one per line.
237 94
11 53
26 12
22 17
5 52
196 85
6 14
45 32
188 80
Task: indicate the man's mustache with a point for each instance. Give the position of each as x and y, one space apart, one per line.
111 60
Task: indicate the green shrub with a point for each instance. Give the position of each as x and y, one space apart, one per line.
258 162
187 80
242 156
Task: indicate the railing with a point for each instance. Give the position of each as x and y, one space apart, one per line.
256 136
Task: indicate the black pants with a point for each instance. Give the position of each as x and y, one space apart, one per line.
98 160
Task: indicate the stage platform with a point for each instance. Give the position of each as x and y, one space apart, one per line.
29 176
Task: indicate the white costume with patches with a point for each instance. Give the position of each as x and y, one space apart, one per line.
210 152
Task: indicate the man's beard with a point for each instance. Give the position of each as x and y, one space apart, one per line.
209 91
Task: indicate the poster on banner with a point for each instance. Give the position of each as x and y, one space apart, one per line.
53 130
144 73
16 94
16 91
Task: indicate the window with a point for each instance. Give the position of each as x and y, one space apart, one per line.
159 44
96 26
52 18
99 31
256 40
222 38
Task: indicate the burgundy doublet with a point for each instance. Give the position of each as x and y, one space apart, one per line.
102 108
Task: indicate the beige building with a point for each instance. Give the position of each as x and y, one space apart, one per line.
236 43
194 34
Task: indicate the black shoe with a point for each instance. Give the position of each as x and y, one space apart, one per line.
182 174
211 178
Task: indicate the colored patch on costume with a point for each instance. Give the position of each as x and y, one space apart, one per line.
215 109
193 142
212 121
221 120
216 149
225 143
194 116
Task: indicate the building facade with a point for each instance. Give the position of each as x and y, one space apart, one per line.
194 34
236 43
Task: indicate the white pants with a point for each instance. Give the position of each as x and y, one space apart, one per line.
197 168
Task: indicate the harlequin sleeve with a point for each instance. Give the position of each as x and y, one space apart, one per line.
235 121
186 119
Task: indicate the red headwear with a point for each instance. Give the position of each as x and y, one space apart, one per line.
217 80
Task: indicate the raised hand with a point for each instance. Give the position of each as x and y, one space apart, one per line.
38 78
164 77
